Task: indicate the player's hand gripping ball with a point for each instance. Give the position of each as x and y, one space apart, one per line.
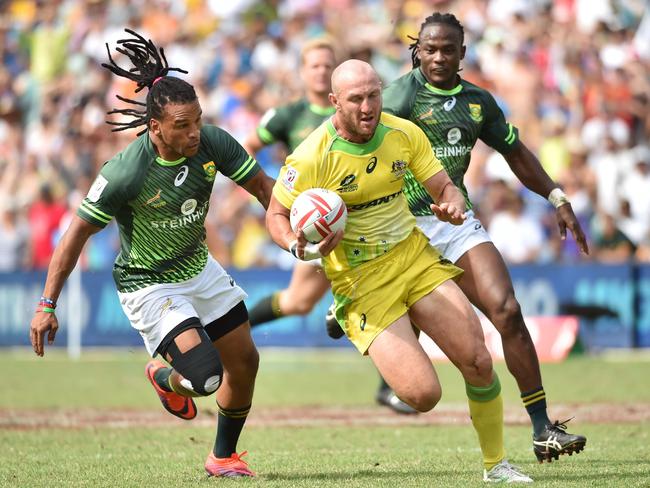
318 212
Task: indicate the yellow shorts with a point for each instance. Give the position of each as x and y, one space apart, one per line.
372 296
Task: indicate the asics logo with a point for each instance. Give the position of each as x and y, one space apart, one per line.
449 104
181 176
551 442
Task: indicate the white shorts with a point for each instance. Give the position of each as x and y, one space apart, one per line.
155 310
452 241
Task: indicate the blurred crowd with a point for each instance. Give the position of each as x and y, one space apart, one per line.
573 75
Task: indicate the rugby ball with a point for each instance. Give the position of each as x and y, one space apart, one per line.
318 212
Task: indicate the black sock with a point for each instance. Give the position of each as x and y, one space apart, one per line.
161 377
229 426
535 403
266 310
382 384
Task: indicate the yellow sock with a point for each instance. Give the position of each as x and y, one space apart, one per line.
486 410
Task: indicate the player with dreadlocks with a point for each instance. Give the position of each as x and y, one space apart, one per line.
185 306
454 114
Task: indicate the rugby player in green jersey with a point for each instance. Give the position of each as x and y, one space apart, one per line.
185 306
454 114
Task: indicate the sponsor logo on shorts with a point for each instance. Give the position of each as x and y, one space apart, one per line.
168 306
362 322
477 226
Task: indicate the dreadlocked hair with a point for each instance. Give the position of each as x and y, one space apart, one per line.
436 18
149 70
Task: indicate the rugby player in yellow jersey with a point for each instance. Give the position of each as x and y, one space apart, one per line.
383 271
290 124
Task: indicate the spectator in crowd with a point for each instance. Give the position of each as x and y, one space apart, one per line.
518 238
586 60
14 238
610 244
44 217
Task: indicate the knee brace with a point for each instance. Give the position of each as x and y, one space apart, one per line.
200 367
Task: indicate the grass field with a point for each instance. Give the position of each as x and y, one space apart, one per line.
97 422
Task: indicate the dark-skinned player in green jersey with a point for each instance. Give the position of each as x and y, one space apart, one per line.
182 302
290 124
454 114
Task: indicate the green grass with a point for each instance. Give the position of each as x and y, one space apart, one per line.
350 456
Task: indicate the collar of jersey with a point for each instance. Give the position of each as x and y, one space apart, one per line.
438 91
318 110
164 162
353 148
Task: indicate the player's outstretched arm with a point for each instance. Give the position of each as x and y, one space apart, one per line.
261 187
63 262
450 206
530 172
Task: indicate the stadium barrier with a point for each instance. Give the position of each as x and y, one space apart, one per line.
611 303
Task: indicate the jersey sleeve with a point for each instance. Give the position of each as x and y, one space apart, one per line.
108 193
297 175
496 132
399 96
230 157
273 126
424 163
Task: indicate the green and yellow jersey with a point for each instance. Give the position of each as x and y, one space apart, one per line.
160 206
453 121
370 179
291 123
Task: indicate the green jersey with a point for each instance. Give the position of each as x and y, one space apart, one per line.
292 123
160 206
452 120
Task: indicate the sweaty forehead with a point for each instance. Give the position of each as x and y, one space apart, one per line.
440 33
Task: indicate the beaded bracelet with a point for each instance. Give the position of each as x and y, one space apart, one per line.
47 302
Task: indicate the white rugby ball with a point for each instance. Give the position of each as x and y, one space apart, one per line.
318 212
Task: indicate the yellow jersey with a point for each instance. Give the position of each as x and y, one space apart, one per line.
369 177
